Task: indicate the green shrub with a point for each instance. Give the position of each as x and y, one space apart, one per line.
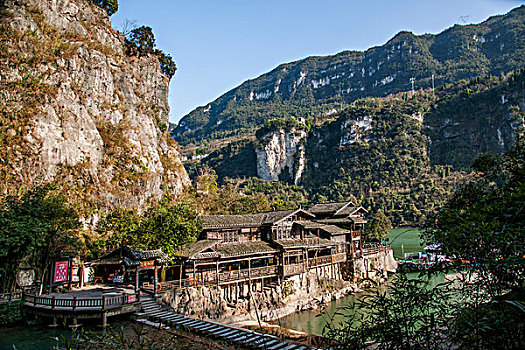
11 312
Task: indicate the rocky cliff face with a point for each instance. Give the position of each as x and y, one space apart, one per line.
77 110
279 151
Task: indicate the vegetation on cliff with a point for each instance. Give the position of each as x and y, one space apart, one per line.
110 6
78 111
402 154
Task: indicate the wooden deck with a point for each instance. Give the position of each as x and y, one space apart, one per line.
83 304
375 249
74 304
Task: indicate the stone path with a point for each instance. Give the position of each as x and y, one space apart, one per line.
233 335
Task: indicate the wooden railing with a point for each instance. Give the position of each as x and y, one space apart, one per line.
293 269
80 303
236 275
375 248
7 297
329 259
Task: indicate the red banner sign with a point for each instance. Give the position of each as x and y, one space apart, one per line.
61 271
147 263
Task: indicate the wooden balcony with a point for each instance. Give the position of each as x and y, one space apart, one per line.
375 249
293 269
327 260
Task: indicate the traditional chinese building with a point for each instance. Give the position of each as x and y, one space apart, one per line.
248 252
126 265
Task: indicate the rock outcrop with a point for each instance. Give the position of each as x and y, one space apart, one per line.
375 266
281 150
300 292
78 111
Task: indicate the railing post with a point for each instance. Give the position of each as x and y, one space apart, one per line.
103 302
74 303
53 303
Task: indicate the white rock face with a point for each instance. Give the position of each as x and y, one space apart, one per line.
103 96
281 149
355 130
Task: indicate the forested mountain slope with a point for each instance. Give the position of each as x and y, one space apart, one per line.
402 153
316 87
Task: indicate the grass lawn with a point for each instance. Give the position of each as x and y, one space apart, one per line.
405 240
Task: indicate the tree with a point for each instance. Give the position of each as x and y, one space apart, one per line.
141 41
110 6
120 226
379 226
34 228
167 65
170 226
483 223
484 306
409 315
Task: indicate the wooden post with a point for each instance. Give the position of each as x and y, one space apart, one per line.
180 276
137 284
53 302
103 302
74 303
194 273
249 274
155 281
217 271
104 319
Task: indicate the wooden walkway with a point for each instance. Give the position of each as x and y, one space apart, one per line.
233 335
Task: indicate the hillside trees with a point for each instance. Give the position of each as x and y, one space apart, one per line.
35 227
378 227
168 226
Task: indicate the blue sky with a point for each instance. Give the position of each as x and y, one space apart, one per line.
218 44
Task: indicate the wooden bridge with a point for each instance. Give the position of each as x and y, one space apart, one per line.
244 338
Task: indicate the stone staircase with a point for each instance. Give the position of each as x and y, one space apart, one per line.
158 315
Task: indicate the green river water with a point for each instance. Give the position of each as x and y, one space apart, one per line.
402 240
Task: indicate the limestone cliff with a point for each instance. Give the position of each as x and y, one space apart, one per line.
77 110
281 150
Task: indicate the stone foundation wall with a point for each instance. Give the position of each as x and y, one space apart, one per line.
268 300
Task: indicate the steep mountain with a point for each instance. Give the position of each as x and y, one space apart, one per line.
316 87
76 109
402 153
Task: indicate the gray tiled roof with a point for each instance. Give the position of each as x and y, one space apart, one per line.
226 249
192 249
244 248
331 229
248 220
329 208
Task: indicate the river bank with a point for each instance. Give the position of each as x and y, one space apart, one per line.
313 321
